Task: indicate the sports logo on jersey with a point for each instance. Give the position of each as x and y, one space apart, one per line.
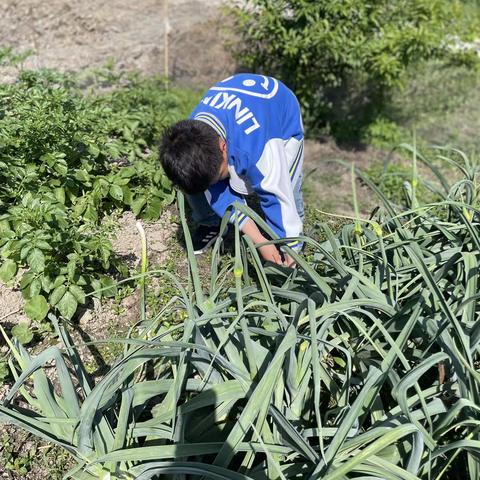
256 86
230 101
226 95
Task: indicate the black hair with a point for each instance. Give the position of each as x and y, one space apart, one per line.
190 155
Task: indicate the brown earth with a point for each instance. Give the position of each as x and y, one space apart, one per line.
88 33
328 185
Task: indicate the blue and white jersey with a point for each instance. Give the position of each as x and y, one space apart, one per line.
260 120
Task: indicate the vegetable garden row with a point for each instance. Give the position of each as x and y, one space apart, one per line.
73 150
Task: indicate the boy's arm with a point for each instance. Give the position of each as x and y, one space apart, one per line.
221 196
272 181
268 252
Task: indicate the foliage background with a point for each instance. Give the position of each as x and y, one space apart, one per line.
343 59
73 149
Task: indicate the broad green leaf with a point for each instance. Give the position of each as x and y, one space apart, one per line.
36 308
8 270
91 213
127 195
59 280
165 182
60 194
67 305
34 288
23 333
57 294
36 260
137 204
25 250
154 208
82 175
61 167
93 150
71 269
78 293
43 245
116 192
109 287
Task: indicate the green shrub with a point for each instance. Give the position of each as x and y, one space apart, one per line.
362 363
384 133
342 57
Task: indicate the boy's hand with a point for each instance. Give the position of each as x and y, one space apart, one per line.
289 261
270 253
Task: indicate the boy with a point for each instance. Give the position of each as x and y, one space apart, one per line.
244 137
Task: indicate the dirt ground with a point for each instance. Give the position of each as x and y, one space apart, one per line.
328 185
87 33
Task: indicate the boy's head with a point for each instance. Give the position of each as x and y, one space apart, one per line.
192 154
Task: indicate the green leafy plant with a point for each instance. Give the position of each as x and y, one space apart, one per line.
384 133
4 370
22 333
23 457
69 157
361 363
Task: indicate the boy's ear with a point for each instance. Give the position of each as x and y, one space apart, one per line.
223 144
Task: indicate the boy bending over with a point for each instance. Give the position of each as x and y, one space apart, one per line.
245 137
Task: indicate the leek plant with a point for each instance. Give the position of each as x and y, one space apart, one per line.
360 363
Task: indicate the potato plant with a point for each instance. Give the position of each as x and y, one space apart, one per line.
70 154
362 363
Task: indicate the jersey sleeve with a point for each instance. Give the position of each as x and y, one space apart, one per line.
271 180
221 196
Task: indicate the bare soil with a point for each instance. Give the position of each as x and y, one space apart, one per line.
88 33
328 184
11 306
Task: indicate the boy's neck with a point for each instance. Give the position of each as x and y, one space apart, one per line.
223 172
